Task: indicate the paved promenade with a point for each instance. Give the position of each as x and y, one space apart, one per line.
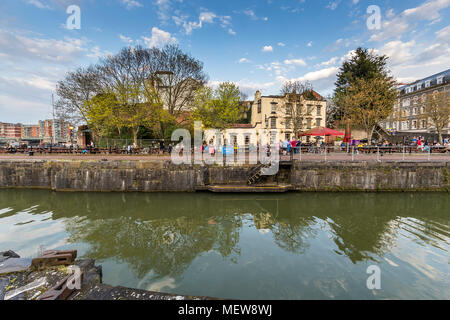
414 157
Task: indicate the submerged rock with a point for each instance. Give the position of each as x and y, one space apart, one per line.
14 265
5 255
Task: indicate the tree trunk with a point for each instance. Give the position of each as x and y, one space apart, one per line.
369 132
135 133
441 141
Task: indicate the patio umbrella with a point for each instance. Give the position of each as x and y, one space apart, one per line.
322 131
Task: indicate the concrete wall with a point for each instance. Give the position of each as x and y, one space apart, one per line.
371 176
153 176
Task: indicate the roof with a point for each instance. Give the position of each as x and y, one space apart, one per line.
444 74
241 125
315 93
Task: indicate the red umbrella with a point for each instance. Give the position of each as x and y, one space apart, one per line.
321 131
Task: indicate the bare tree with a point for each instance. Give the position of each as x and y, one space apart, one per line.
125 76
74 91
177 79
437 111
293 109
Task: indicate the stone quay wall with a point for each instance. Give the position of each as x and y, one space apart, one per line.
163 176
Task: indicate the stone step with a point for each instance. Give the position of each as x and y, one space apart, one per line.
248 189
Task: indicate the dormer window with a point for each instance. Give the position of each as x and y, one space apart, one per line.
440 80
419 86
427 84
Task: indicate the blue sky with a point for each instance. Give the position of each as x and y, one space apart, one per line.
258 44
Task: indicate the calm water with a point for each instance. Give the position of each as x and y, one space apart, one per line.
292 246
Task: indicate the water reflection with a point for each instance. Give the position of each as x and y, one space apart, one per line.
161 235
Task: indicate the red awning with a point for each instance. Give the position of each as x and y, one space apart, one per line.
321 131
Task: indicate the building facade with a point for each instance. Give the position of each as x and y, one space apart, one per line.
47 131
270 113
11 131
409 111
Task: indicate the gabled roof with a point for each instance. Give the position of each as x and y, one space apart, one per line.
315 93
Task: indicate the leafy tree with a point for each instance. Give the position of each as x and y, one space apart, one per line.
217 108
365 77
369 101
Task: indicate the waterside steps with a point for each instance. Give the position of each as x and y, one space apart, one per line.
256 182
256 174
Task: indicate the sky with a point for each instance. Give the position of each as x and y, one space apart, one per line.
258 44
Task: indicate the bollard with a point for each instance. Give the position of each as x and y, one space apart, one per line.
378 154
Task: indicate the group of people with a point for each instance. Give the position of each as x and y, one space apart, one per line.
423 145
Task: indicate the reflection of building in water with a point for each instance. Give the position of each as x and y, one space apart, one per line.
263 220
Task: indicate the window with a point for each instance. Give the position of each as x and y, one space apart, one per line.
259 106
406 102
288 123
319 110
318 122
273 123
440 80
424 124
427 83
308 124
274 107
309 108
419 86
414 124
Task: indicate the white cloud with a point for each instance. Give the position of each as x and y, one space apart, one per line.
163 10
131 4
403 23
250 13
96 53
159 38
281 44
333 4
125 39
230 31
298 62
398 52
204 18
244 60
320 74
330 62
39 4
309 44
267 49
15 46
